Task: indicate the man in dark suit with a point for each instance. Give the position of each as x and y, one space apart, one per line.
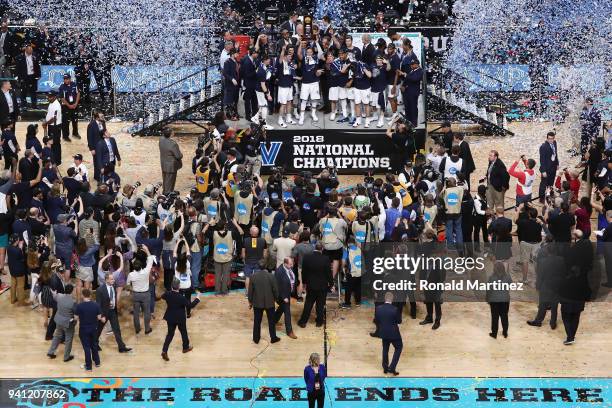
367 54
9 108
411 89
548 269
248 75
231 84
262 293
498 181
107 151
575 290
106 296
176 316
95 131
171 158
549 163
466 155
317 276
28 73
285 280
388 330
590 120
291 24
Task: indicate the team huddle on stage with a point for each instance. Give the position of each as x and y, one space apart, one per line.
355 84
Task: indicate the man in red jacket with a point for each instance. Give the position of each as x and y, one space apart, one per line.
526 177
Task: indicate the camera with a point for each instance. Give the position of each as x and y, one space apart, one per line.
136 185
333 172
307 176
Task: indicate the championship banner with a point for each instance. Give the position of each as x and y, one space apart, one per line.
349 151
279 392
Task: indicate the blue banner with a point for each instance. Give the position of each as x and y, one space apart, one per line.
278 392
495 78
137 78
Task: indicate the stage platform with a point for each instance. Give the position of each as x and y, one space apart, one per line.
326 123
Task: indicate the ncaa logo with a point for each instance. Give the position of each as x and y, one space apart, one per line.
200 180
212 210
269 154
452 170
327 228
427 216
452 198
222 249
274 196
306 206
241 208
357 261
360 236
265 227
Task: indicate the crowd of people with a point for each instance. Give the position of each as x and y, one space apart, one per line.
66 237
90 247
289 72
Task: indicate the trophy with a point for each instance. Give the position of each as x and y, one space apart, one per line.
307 28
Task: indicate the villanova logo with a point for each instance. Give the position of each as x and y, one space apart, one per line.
269 155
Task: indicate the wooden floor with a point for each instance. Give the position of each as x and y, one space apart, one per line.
220 329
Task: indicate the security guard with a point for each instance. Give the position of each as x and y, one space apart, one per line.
69 98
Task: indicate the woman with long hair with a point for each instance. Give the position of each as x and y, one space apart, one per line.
84 274
170 240
182 270
314 376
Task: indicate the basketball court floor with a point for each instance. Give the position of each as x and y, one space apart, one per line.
447 367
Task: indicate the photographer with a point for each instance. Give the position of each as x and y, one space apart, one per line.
126 198
245 200
206 173
274 187
250 143
310 206
148 197
327 181
401 134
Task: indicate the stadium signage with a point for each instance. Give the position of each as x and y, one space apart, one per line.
349 151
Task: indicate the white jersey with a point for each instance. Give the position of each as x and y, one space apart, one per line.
527 188
452 168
